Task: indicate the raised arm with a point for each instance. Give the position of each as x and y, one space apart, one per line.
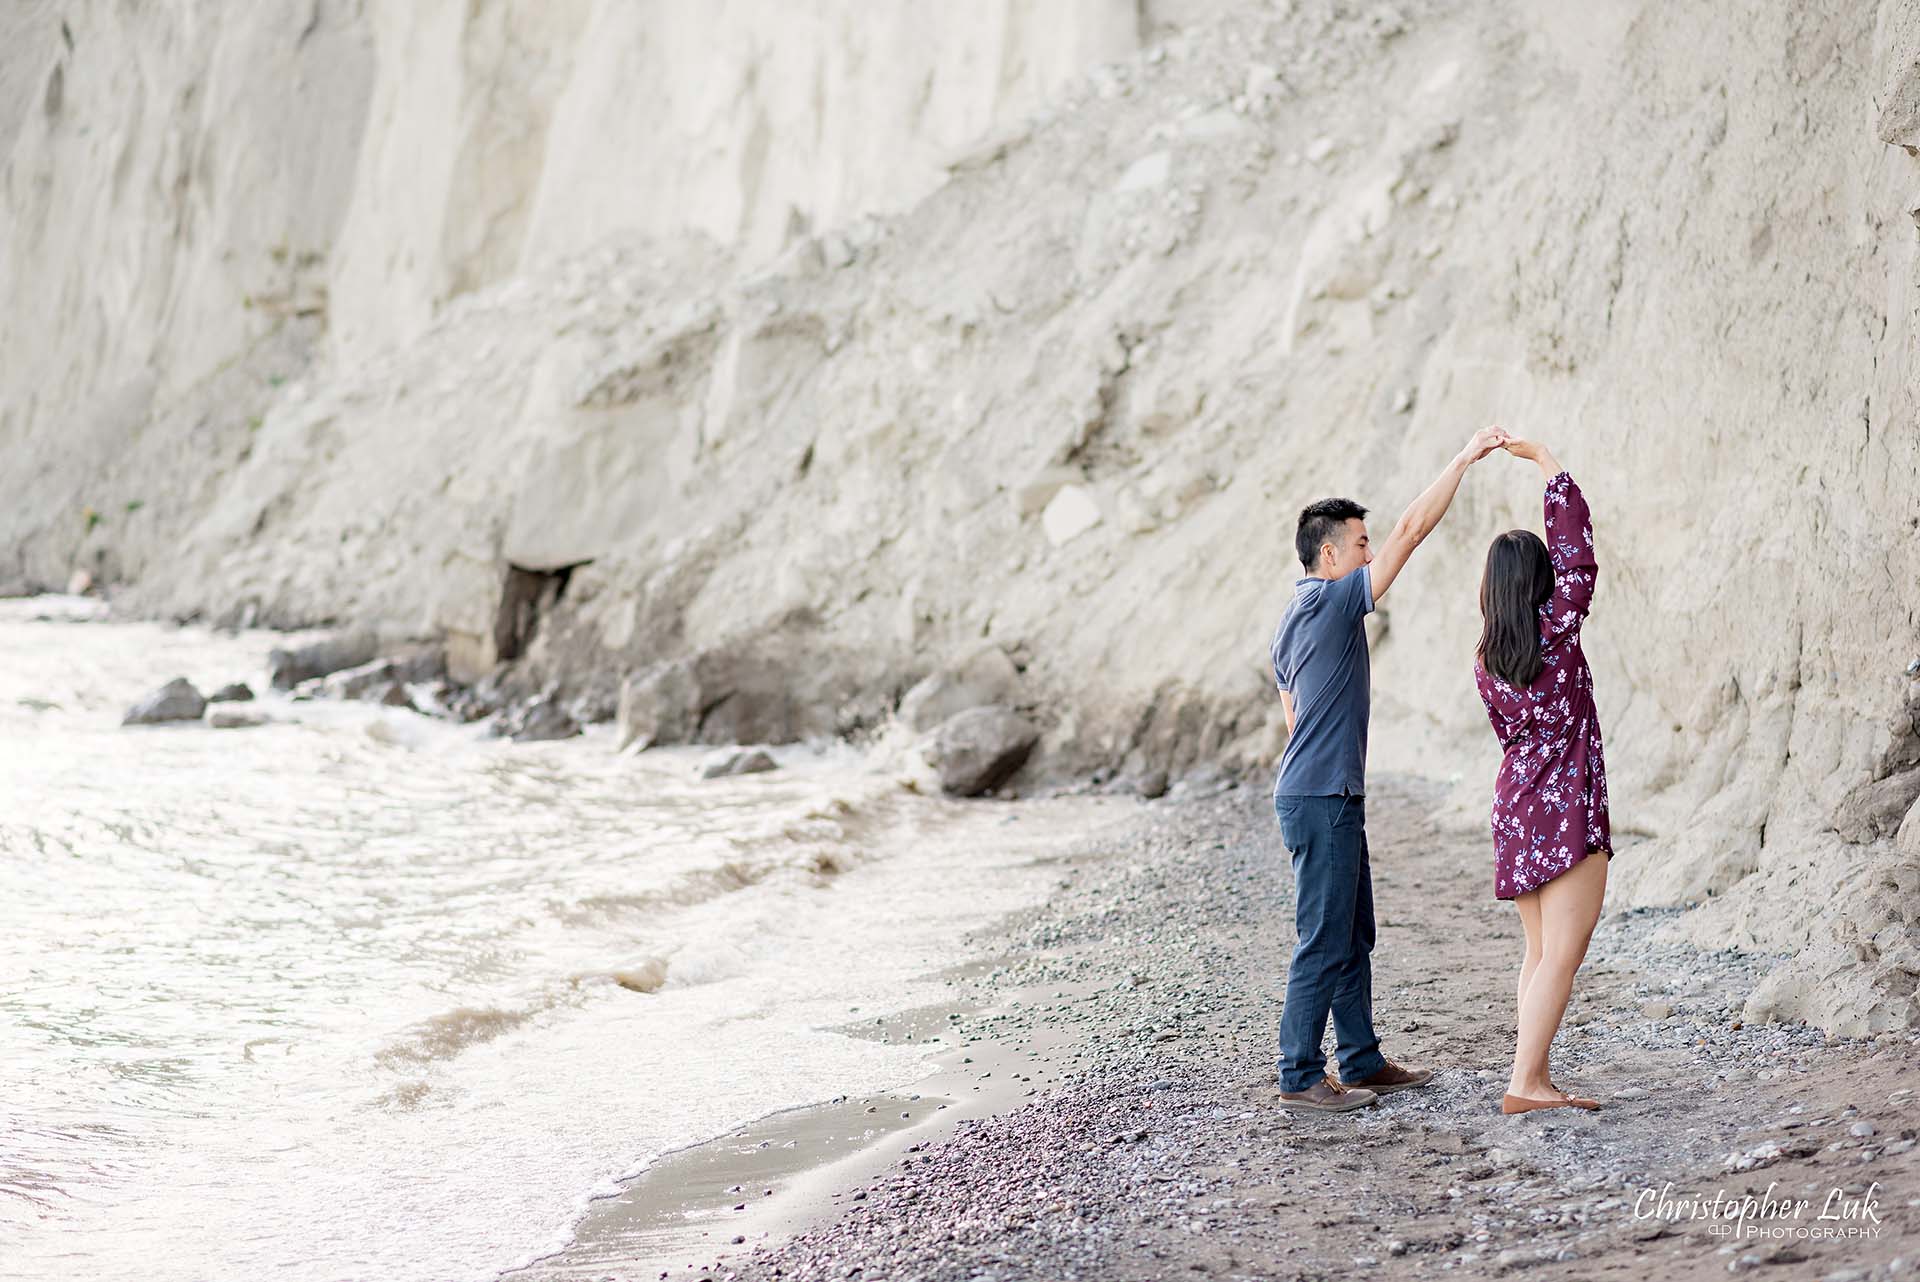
1424 513
1569 540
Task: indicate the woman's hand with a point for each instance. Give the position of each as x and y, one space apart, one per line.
1538 453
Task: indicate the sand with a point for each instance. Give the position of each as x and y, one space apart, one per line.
1151 984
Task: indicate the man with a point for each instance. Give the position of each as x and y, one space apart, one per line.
1320 664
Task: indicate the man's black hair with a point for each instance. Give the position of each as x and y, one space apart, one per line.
1323 522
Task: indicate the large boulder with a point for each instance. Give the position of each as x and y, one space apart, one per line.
979 749
177 700
723 695
984 677
288 668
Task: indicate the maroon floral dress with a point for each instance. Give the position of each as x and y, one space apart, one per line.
1550 797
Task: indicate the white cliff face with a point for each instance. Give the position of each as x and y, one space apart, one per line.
173 184
517 134
1068 399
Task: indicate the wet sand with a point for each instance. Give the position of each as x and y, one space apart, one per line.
1110 1106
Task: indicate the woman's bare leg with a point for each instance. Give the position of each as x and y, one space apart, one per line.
1569 909
1529 906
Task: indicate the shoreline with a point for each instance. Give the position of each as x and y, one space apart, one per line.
1158 1150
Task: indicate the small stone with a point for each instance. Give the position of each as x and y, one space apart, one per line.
234 718
1861 1130
737 761
232 692
1657 1008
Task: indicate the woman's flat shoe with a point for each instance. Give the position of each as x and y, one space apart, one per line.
1520 1104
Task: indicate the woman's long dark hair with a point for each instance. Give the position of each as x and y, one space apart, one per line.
1518 580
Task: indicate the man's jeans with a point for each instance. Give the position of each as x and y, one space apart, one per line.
1332 970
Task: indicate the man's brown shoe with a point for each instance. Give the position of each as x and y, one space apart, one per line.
1326 1096
1390 1079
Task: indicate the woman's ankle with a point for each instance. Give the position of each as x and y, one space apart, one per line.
1527 1086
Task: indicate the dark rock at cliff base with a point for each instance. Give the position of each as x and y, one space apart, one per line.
175 701
1151 784
737 761
288 668
232 692
540 719
374 680
717 696
979 749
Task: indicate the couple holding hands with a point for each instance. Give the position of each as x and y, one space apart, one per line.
1549 797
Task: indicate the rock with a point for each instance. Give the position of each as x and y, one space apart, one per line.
396 696
725 695
979 749
659 705
986 676
1656 1009
231 718
1876 808
736 761
1861 1130
374 680
1763 1154
1071 513
232 692
1631 1092
175 701
1151 784
288 668
538 720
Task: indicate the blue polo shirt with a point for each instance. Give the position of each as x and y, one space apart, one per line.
1320 654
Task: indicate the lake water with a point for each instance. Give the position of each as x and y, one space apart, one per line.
364 994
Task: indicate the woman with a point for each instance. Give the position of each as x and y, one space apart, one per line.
1550 798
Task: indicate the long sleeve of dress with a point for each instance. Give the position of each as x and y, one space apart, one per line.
1570 548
